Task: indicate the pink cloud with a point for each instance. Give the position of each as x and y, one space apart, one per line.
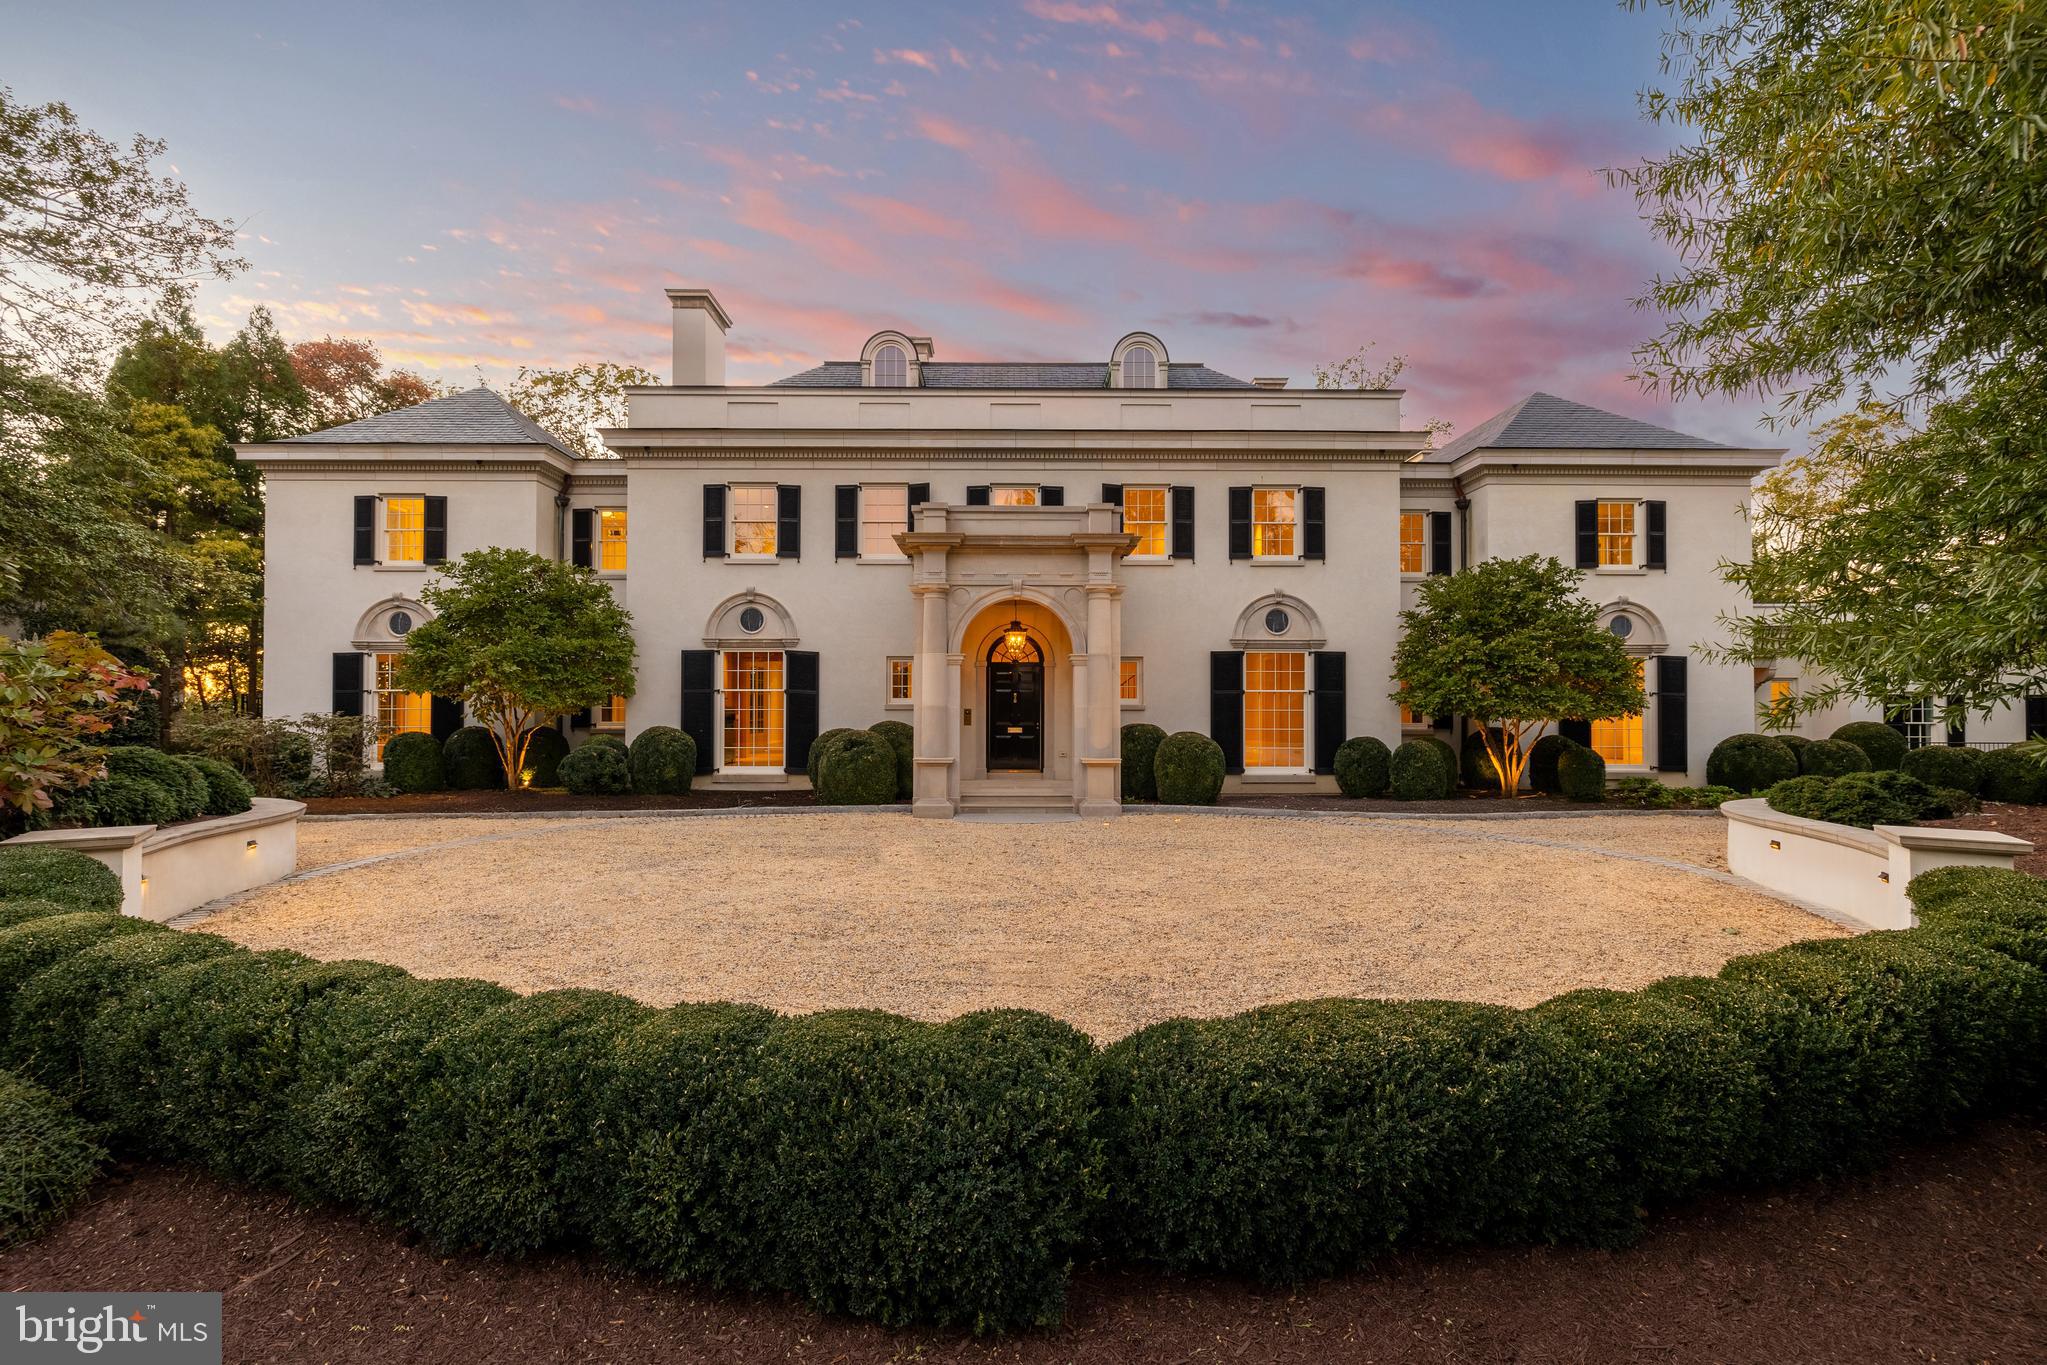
908 57
1496 143
1097 16
900 217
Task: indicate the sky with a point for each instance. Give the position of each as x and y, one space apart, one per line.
1266 186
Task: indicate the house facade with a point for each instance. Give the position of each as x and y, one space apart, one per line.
1016 558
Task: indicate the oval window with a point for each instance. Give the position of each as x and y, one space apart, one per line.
1622 626
1277 621
401 622
751 620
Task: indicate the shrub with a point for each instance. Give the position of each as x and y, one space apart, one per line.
117 800
227 791
545 750
470 761
59 874
2009 775
903 739
1649 794
1937 765
47 1159
15 911
1415 772
859 769
1542 763
1884 746
599 766
185 783
55 1009
1189 768
1860 799
664 761
1475 765
2003 911
1445 755
1750 763
1363 766
814 763
1140 752
1581 774
28 947
412 762
1832 758
1795 743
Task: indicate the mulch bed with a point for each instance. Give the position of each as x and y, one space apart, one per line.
515 802
2021 822
1464 803
1939 1256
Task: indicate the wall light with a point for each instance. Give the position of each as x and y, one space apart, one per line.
251 845
1777 844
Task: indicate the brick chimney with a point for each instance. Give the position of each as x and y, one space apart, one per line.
700 327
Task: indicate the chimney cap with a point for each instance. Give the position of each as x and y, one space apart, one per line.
700 298
1269 382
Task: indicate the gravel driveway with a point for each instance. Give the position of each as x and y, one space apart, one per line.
1112 924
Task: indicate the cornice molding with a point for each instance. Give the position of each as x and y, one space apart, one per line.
1594 474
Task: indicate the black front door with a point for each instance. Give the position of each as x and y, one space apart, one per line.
1016 717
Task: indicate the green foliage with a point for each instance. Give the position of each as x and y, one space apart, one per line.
1363 766
185 783
61 699
858 769
34 944
1861 799
1475 766
47 1159
1140 752
55 1011
227 791
813 762
1581 774
1884 746
470 760
412 762
664 761
1832 758
1416 773
117 801
1445 755
2009 775
600 766
544 749
1542 763
1750 762
58 874
1189 769
575 403
1649 794
1938 765
14 911
903 739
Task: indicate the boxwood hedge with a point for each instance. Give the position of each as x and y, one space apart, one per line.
470 761
1189 768
2009 775
1884 746
1416 772
599 766
1831 758
1939 765
902 737
413 762
1542 763
664 761
1140 751
47 1158
1363 767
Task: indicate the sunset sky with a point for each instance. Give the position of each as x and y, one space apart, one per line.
1264 185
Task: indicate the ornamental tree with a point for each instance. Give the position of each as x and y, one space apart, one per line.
1512 643
523 641
58 696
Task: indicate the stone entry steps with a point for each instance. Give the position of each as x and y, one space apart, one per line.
1014 794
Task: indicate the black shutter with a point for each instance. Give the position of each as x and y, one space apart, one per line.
700 703
1957 734
1183 522
582 719
366 530
436 538
1439 543
846 521
714 527
1445 723
1588 535
799 708
920 493
1240 523
444 715
1112 493
1330 716
1051 495
1313 540
1672 737
348 684
582 522
1655 540
1226 706
788 521
1577 731
977 495
2036 716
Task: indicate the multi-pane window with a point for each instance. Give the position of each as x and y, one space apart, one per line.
891 368
899 682
1272 523
1144 516
1915 721
1013 495
753 708
404 530
1130 681
753 519
1414 541
884 514
611 539
1780 696
608 715
1275 709
398 712
1140 368
1616 535
1619 741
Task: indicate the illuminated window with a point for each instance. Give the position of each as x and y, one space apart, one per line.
608 715
611 539
1414 541
399 712
1272 523
899 682
1013 495
1409 717
1144 516
1275 710
1780 697
404 530
1619 742
753 519
1140 368
753 708
891 367
1616 535
1130 682
884 514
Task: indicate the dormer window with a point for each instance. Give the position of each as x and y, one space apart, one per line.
1138 362
891 367
1140 368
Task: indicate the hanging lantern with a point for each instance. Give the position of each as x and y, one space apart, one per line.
1016 646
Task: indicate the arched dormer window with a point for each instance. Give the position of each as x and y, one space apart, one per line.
891 367
1140 368
1139 362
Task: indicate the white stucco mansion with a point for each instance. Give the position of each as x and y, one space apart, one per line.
1018 558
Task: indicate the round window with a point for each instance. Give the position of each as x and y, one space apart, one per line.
1277 621
1622 626
401 622
751 620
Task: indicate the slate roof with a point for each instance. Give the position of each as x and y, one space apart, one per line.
1084 374
475 416
1542 421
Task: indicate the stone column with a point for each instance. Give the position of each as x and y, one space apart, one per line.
1101 755
938 722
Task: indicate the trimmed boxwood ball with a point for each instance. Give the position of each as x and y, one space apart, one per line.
1861 799
664 761
1189 767
1415 772
470 761
544 755
1581 774
1938 765
859 769
1475 767
2010 776
118 800
47 1158
1886 747
1363 766
814 763
902 737
228 792
58 874
1750 763
1831 758
599 766
412 762
1140 752
1447 756
185 783
1542 763
1795 743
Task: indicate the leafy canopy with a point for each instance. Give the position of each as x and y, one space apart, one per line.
523 640
58 697
576 403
